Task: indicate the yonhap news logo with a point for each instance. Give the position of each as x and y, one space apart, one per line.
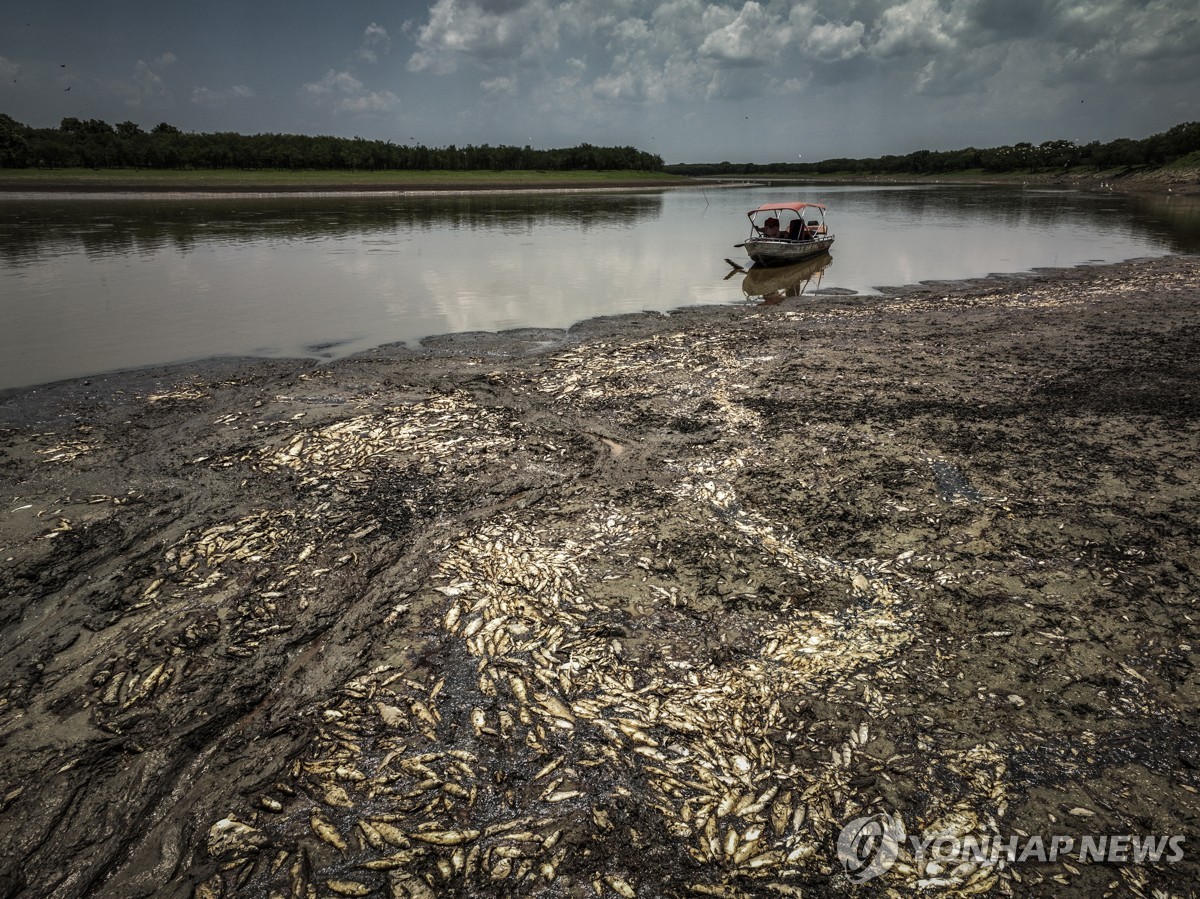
868 847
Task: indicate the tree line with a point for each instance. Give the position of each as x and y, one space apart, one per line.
1055 155
94 143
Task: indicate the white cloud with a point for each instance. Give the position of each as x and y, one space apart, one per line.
493 34
376 34
630 31
346 93
499 85
371 101
148 85
835 42
203 96
660 52
334 83
733 84
654 56
477 31
9 70
624 86
916 27
375 42
638 51
753 37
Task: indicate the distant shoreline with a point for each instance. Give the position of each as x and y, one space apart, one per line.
268 193
1168 179
88 182
117 183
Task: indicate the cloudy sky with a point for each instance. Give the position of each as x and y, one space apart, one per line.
692 80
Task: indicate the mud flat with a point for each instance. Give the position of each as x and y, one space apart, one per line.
652 607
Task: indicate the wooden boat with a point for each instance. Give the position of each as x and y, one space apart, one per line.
785 233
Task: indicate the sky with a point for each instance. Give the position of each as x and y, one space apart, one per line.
690 80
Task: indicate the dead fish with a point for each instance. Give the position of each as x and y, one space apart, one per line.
326 831
348 887
444 837
620 887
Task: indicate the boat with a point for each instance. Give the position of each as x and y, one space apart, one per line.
785 233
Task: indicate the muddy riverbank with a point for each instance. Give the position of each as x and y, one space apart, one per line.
654 607
1177 180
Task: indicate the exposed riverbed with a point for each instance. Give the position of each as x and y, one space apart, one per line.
653 606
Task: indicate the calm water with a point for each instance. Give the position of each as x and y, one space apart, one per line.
88 286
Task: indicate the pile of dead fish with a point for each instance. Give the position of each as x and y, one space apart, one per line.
561 735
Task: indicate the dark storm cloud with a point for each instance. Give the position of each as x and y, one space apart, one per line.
1011 19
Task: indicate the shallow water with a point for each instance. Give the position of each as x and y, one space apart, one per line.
88 286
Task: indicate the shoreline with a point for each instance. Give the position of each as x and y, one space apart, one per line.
170 194
1181 181
207 183
478 619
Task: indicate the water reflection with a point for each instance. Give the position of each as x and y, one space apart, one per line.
1173 220
771 285
31 230
93 285
1161 217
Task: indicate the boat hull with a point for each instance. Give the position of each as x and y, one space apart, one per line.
769 251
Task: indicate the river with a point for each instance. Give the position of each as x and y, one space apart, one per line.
95 285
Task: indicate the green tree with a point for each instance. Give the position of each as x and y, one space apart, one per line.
14 145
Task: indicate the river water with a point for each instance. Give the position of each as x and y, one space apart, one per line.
95 285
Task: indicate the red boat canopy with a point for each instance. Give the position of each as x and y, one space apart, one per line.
779 207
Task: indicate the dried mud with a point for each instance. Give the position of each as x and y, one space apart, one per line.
651 607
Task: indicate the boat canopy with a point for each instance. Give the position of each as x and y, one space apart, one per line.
779 207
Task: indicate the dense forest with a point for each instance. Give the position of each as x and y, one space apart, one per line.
1158 149
94 143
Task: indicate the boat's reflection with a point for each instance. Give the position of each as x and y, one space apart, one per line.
771 285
